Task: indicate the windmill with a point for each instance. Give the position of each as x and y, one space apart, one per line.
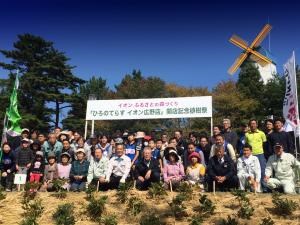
262 58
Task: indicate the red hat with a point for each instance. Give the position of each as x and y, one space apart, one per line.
195 155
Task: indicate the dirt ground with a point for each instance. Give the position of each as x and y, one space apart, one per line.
11 209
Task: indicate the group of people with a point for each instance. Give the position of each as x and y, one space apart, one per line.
254 160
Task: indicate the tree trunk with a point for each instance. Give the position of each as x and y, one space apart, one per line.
56 112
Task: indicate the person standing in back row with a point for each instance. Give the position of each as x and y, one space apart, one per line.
280 136
229 135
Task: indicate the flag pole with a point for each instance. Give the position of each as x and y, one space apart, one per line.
297 128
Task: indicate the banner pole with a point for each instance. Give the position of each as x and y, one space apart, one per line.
85 129
297 130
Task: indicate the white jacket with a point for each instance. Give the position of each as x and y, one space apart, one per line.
249 167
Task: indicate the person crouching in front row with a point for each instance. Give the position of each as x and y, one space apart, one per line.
147 170
249 172
118 168
173 170
221 170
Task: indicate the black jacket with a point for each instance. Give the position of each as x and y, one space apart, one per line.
141 167
227 168
283 138
8 162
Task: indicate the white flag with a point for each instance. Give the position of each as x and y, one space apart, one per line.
290 102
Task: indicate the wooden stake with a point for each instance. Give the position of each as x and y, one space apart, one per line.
171 188
98 183
214 187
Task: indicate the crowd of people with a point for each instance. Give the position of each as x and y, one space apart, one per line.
255 160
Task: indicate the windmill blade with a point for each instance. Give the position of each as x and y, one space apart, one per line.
260 56
259 60
261 36
237 63
236 40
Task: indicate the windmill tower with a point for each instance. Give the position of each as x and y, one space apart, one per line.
261 57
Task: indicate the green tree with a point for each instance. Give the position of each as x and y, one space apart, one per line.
272 100
229 102
76 116
250 83
46 79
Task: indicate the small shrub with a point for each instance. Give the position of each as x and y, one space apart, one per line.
135 205
29 193
96 207
157 190
64 215
240 195
177 207
283 207
60 192
206 205
109 220
32 210
151 219
246 211
229 221
267 221
122 192
89 191
29 221
2 195
196 220
186 190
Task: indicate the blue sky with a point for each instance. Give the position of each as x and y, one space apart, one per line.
185 42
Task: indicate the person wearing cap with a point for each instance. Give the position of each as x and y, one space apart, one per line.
64 135
221 170
191 147
97 170
37 168
24 157
118 168
257 138
50 173
147 170
173 171
7 167
25 133
279 171
64 168
52 145
280 136
195 172
79 171
248 170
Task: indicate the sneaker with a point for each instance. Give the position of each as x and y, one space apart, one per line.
8 190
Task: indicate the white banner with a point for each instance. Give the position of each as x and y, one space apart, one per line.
152 108
290 102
